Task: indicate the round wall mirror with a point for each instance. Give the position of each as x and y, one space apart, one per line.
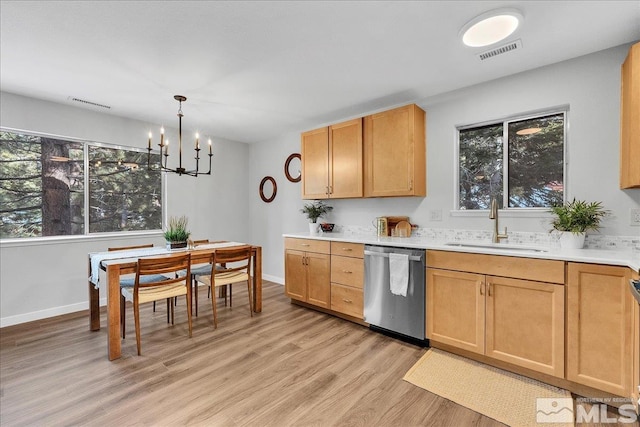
273 190
293 163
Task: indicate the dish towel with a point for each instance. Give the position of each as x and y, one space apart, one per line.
398 273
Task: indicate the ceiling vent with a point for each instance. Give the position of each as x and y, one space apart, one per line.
93 104
509 47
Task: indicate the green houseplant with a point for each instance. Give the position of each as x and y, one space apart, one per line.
574 219
315 210
176 233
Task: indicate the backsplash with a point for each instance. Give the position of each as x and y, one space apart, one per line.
592 241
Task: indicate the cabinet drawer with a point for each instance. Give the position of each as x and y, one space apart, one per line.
347 300
540 270
355 250
347 271
308 245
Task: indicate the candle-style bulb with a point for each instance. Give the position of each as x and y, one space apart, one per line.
210 152
162 130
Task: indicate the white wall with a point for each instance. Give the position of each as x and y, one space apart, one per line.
589 85
46 278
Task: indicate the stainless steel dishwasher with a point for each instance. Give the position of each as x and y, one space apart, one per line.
402 316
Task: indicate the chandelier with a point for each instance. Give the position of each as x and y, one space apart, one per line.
164 148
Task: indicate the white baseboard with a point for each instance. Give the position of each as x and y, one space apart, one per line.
44 314
275 279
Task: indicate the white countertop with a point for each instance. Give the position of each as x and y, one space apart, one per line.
594 256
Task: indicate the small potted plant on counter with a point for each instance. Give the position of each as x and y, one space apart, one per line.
176 234
313 211
574 219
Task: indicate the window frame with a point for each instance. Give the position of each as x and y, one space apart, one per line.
26 241
505 210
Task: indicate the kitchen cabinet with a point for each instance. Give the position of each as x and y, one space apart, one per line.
347 278
395 153
506 317
307 271
600 316
630 120
332 161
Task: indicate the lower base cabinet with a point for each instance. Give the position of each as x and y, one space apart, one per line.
325 274
307 271
600 328
513 320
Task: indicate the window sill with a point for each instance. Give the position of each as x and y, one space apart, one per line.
56 240
504 213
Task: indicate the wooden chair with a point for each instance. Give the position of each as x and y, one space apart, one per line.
203 270
146 290
238 268
128 282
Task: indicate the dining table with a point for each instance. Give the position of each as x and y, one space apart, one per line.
116 264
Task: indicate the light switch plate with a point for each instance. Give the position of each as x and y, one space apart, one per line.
634 215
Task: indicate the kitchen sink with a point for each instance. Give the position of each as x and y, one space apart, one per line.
498 246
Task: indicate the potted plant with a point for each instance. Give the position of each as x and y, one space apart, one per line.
313 211
176 234
574 219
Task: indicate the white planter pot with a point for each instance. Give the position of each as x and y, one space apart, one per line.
313 227
569 240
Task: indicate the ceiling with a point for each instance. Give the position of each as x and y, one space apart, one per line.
253 70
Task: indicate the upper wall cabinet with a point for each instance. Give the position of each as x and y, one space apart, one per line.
332 161
630 120
395 153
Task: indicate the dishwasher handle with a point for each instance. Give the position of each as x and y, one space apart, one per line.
386 255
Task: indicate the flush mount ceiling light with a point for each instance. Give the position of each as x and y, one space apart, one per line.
490 27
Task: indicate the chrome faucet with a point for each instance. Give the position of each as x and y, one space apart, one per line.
493 214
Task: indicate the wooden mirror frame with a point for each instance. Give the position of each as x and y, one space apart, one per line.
286 167
275 189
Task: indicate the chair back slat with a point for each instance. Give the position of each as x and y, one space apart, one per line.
163 265
124 248
234 254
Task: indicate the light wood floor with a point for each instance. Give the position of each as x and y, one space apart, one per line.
286 366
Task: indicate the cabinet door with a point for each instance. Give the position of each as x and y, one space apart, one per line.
318 279
455 309
629 122
345 159
315 163
525 324
295 275
395 154
600 327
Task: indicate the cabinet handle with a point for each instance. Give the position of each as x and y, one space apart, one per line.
303 258
410 184
489 292
326 190
347 249
481 286
331 189
304 244
347 271
348 301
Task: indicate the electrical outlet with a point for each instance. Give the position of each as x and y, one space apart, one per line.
435 214
634 215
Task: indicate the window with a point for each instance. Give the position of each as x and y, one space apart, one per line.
525 172
45 191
